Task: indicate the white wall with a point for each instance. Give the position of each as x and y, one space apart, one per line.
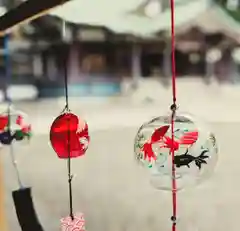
21 92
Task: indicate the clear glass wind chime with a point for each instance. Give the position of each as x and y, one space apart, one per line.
178 149
15 128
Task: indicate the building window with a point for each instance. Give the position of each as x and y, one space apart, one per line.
95 58
94 64
21 68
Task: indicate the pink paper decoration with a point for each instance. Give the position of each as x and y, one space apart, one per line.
78 224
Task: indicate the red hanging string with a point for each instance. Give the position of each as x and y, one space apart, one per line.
173 108
173 51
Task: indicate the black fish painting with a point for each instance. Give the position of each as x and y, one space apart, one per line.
185 159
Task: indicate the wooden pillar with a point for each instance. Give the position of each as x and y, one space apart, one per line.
210 68
212 57
73 63
51 67
3 219
167 59
136 63
236 60
37 63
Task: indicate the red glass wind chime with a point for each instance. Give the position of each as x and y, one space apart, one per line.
70 139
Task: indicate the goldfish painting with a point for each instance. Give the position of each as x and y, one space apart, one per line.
156 137
188 138
185 159
159 136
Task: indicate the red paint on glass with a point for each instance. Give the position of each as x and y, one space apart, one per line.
69 136
159 136
3 122
156 137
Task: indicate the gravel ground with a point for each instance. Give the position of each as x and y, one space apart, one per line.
114 193
109 188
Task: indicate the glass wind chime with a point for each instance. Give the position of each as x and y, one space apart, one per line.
69 138
15 128
177 148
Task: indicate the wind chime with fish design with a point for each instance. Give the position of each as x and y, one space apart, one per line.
177 151
69 138
15 127
187 139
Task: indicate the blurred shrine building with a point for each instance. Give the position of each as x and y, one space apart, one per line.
103 47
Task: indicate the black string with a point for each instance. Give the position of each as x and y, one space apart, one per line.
66 109
66 82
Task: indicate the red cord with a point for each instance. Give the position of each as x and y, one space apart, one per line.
174 183
173 51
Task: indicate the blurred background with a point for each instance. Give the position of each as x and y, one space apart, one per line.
117 55
127 43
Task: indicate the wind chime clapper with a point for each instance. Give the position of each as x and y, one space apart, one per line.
15 127
69 138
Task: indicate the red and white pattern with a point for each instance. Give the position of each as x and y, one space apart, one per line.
78 224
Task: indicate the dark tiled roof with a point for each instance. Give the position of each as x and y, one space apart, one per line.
26 11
